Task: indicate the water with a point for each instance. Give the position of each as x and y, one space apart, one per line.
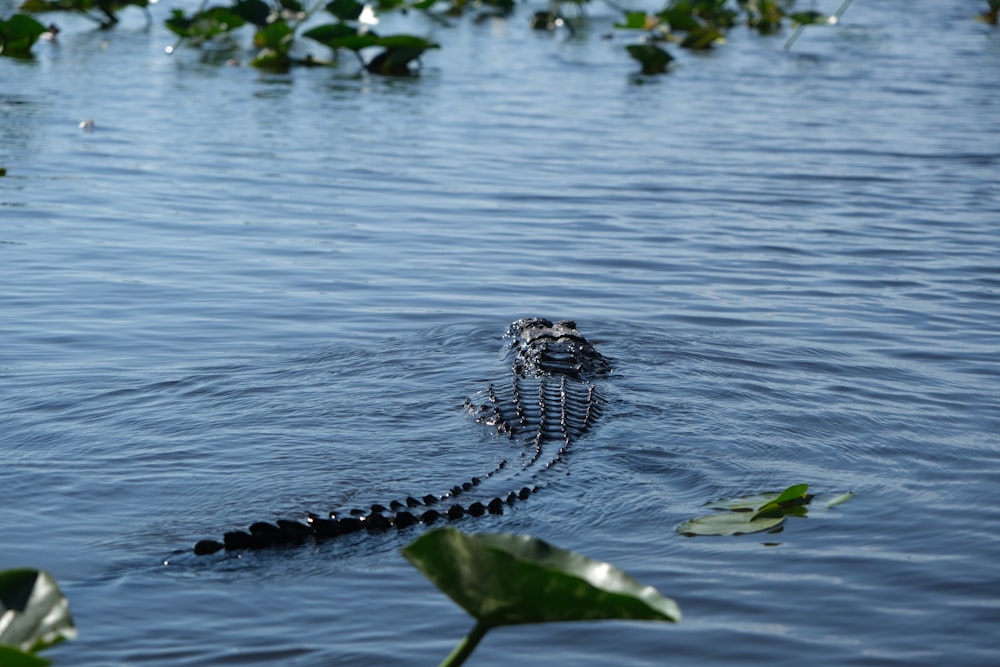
246 295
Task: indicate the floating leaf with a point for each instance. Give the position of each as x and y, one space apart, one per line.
701 38
793 495
406 41
637 21
252 11
204 25
277 36
748 503
270 59
18 34
34 615
680 17
12 657
400 51
811 18
653 59
729 523
342 36
345 10
511 579
750 514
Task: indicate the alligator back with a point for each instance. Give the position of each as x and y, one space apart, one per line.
550 397
549 401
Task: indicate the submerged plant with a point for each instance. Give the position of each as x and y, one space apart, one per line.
504 579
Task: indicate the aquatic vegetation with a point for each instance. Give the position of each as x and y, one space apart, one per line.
654 60
697 25
277 22
102 12
756 513
499 579
502 579
34 615
18 34
700 25
992 13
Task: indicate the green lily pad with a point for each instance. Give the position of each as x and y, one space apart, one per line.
701 38
256 12
406 41
13 657
811 18
753 513
342 36
653 59
34 615
18 34
790 497
345 10
637 20
204 25
512 579
729 523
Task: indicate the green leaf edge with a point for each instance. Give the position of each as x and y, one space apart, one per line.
442 553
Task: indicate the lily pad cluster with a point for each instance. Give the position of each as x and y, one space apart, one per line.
700 25
692 24
276 24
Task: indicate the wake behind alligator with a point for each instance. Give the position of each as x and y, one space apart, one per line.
549 401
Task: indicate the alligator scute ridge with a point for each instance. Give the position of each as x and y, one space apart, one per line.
555 364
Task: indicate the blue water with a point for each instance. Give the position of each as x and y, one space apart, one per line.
246 295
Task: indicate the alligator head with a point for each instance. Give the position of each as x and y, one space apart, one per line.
543 348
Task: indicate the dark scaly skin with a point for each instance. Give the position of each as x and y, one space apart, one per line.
548 402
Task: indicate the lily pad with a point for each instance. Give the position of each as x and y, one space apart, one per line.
505 579
653 59
18 34
13 657
790 497
34 615
341 36
753 513
729 523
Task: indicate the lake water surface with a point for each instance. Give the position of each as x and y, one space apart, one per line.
246 295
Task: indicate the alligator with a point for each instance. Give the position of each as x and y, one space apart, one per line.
548 402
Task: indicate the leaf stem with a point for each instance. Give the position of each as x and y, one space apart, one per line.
466 646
